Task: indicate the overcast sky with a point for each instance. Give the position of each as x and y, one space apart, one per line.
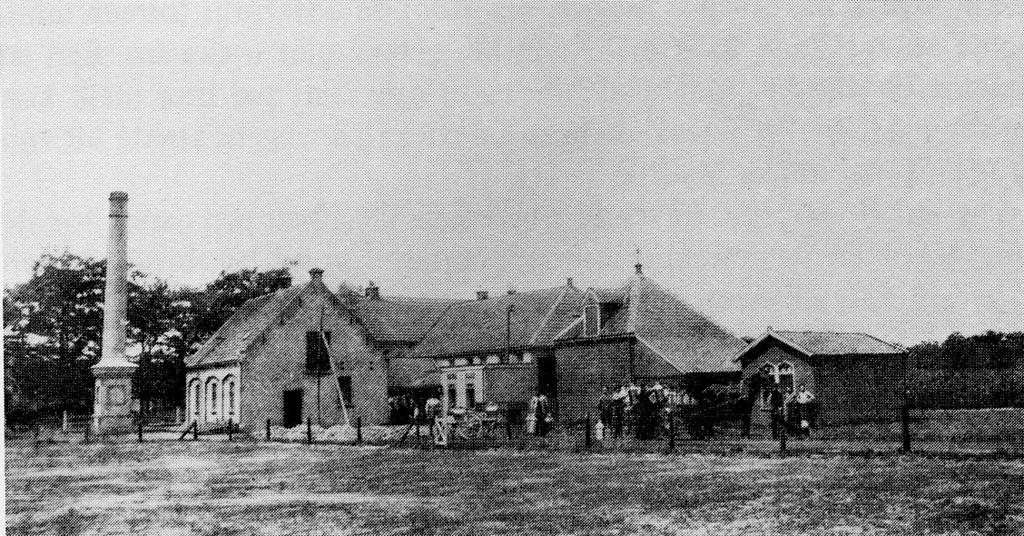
820 165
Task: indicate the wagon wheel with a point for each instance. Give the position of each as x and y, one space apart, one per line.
471 426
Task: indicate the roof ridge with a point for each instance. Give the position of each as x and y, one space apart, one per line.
551 311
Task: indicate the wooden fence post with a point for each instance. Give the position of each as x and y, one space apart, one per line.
268 429
359 430
195 431
88 428
508 428
229 430
140 430
783 427
309 430
905 420
671 432
64 422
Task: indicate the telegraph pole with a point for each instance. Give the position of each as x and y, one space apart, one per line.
319 366
508 333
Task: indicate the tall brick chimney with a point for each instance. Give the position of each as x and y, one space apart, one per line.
112 406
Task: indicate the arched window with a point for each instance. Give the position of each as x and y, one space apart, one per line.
230 409
211 399
784 376
196 399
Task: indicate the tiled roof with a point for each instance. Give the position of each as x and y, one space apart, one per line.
833 343
231 340
400 319
479 326
685 338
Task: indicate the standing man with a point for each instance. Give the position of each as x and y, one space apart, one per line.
543 415
619 409
604 407
804 401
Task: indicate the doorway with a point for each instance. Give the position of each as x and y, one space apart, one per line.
292 408
547 379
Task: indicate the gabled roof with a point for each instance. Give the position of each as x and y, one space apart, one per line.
233 338
671 328
480 326
825 343
400 319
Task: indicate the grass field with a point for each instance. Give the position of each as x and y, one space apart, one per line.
260 488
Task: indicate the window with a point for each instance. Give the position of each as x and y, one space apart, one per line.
213 399
527 357
345 386
317 357
784 376
592 320
229 394
196 397
452 395
470 390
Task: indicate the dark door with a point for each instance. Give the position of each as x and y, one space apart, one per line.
292 405
547 378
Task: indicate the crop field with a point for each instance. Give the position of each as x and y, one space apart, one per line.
276 488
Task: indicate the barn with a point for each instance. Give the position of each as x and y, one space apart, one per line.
641 333
853 376
301 352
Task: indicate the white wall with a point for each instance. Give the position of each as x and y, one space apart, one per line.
218 394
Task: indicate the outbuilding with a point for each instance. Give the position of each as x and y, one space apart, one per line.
853 376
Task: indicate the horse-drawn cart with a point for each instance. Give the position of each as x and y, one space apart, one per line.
467 424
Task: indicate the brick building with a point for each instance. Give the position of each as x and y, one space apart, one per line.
852 375
639 333
270 360
500 349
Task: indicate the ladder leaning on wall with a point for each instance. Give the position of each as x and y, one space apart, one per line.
337 386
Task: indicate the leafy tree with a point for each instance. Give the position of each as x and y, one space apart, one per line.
59 311
61 308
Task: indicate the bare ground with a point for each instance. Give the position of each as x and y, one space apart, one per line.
274 488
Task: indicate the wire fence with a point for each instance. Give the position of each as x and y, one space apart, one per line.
906 429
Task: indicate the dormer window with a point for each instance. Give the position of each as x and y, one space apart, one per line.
591 320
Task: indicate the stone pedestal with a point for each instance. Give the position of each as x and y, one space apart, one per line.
112 408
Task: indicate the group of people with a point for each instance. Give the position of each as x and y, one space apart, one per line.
793 410
645 410
404 409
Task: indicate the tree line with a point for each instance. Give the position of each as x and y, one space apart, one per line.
54 327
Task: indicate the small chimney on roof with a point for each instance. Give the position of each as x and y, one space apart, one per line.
512 290
568 281
639 269
372 291
481 295
316 274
